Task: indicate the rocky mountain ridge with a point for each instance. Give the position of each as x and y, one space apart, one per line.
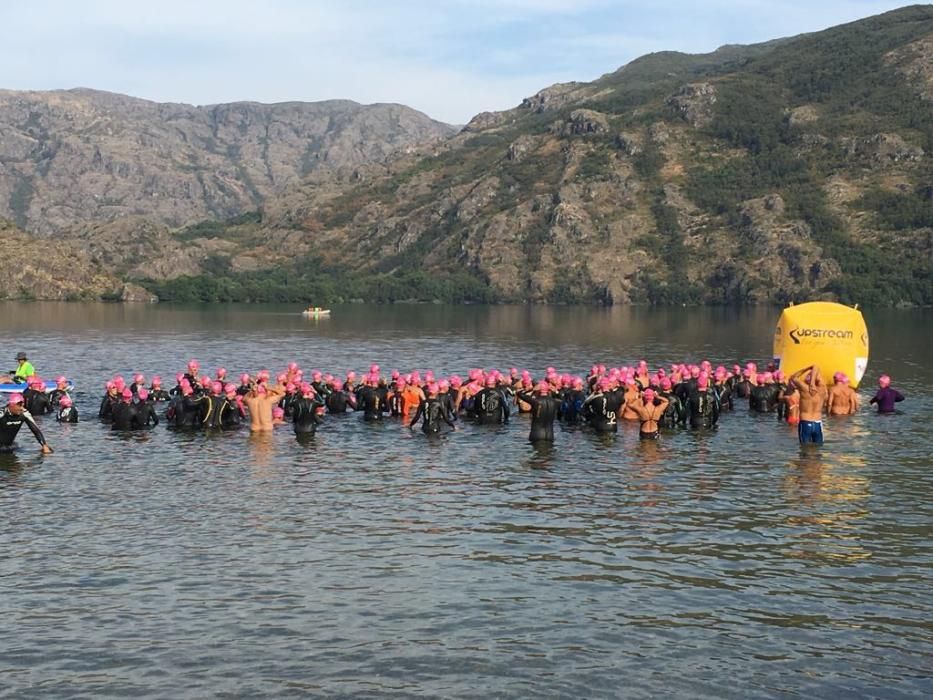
76 156
795 169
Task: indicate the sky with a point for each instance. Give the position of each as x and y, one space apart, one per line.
449 58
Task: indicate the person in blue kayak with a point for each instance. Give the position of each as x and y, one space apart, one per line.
23 370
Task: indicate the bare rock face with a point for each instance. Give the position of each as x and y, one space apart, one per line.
915 62
52 273
883 148
551 98
82 155
694 103
586 122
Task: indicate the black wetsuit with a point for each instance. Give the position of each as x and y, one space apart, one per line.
145 415
782 406
213 409
396 404
433 411
675 414
763 398
491 406
36 402
601 411
288 402
305 415
743 388
159 395
243 389
544 411
185 411
372 402
67 415
571 406
337 401
449 401
106 407
55 396
724 396
10 425
124 416
233 417
702 409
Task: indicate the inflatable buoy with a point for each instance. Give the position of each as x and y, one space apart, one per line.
831 336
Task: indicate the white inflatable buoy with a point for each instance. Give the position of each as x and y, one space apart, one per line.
831 336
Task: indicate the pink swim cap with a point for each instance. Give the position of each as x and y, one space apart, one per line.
157 381
694 371
244 378
604 384
578 383
649 395
221 372
179 377
374 369
666 383
316 375
186 389
281 378
263 375
456 381
217 388
292 366
443 385
127 395
142 394
290 388
278 412
194 364
15 399
61 380
767 377
703 381
491 381
229 387
778 375
138 379
543 388
206 382
432 389
400 382
119 382
884 381
110 385
65 402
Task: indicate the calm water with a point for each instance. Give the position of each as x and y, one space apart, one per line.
377 562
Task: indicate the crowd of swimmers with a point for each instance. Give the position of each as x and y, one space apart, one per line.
694 396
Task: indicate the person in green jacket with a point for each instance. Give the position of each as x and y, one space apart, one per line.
25 369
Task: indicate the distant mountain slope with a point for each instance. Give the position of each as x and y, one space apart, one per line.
84 155
792 169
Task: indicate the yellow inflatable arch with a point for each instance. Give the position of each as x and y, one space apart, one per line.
831 336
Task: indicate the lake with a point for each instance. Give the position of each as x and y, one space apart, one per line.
373 561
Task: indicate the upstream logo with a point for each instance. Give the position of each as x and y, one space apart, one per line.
819 334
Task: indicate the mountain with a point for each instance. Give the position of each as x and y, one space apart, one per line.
83 155
796 169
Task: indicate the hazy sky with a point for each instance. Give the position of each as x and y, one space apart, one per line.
450 58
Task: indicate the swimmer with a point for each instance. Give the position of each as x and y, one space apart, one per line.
12 419
67 413
260 401
59 392
572 400
145 412
674 414
886 397
124 412
35 398
306 411
278 416
544 409
111 397
812 399
431 411
701 405
842 399
790 398
650 407
156 392
490 405
139 382
601 409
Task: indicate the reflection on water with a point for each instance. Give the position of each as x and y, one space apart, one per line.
372 560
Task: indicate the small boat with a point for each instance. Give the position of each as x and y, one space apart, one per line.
316 312
20 388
